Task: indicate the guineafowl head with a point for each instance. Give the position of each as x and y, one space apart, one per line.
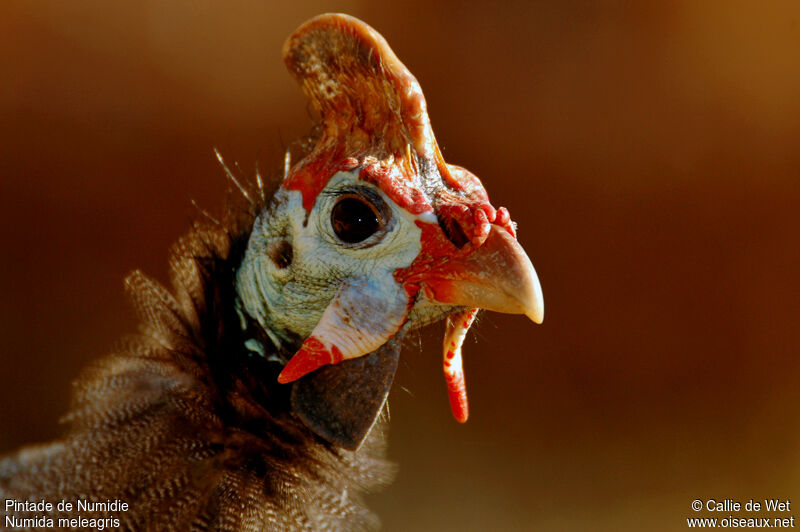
371 234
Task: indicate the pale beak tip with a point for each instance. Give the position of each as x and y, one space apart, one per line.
536 314
535 310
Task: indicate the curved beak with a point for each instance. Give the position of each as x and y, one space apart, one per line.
496 276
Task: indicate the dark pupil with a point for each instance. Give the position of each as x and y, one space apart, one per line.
353 220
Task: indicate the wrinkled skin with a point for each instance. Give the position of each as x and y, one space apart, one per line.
372 233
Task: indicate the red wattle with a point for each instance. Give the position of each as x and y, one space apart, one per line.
312 355
457 391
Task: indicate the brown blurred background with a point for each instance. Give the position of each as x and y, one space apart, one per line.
650 153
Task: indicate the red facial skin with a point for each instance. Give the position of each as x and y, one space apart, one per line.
313 173
373 117
399 185
312 355
435 270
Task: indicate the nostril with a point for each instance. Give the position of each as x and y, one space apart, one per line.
454 232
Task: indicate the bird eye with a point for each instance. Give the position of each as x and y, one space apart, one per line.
354 219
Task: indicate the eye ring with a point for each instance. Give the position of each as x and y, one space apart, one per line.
355 218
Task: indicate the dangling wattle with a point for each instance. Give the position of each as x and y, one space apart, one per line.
375 125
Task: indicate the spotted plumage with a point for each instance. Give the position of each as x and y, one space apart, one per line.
251 397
